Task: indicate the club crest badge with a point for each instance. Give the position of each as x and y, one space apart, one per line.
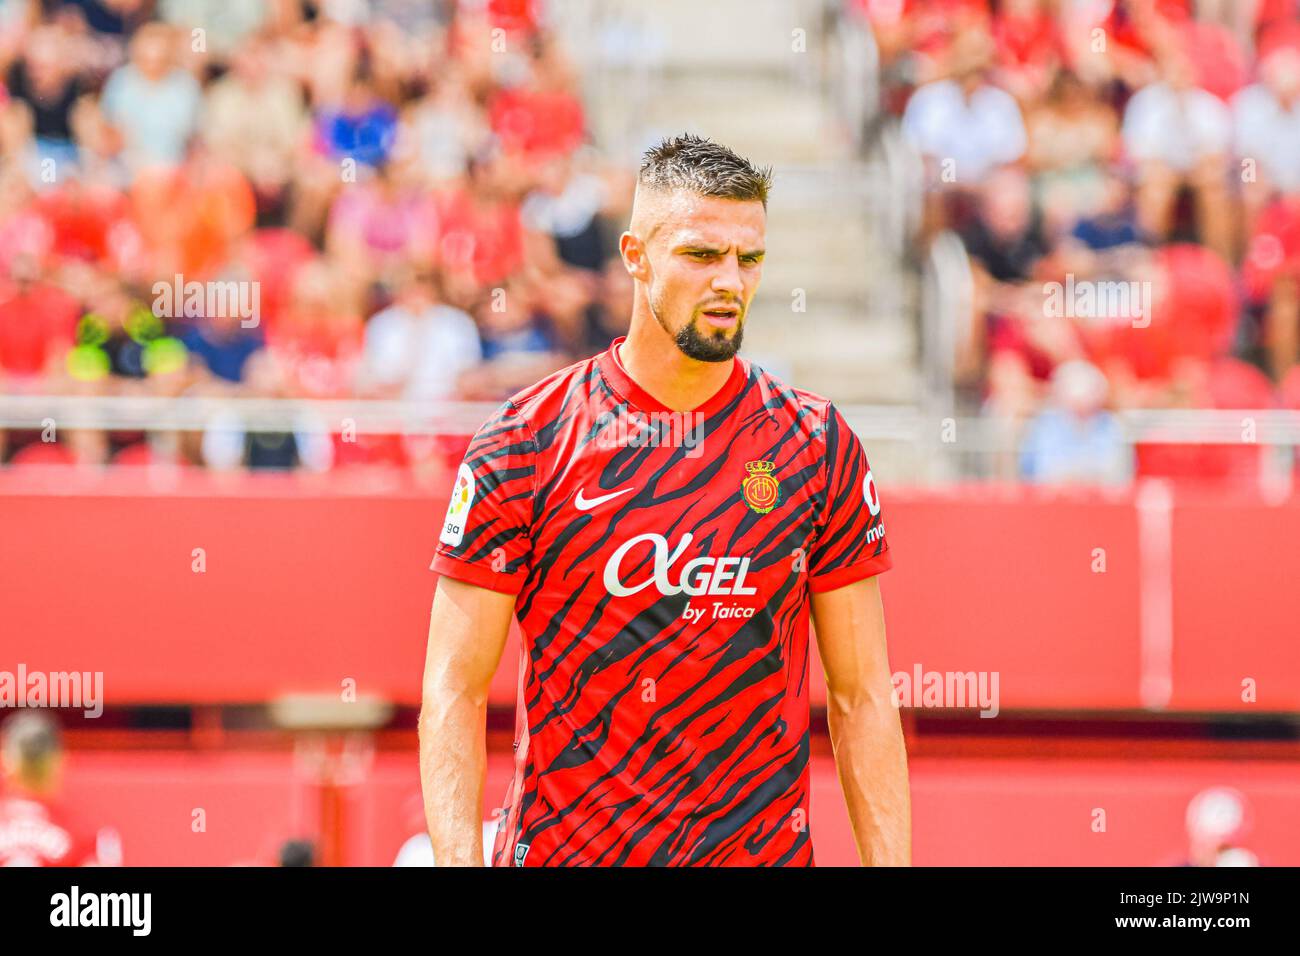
762 492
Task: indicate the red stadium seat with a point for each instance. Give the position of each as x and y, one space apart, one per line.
1230 384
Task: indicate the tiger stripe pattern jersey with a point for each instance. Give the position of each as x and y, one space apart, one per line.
662 564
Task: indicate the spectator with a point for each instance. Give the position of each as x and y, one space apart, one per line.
381 223
1006 239
1111 224
1181 136
1072 137
254 119
479 227
221 345
37 324
1267 123
566 207
1271 279
442 129
1029 48
190 217
257 189
362 128
1075 439
44 81
607 316
225 23
963 125
418 347
152 101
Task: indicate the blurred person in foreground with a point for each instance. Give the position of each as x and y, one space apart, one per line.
35 828
297 853
1217 820
664 583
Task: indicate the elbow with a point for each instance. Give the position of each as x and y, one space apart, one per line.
860 699
443 698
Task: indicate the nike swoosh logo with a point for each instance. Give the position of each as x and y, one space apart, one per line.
586 504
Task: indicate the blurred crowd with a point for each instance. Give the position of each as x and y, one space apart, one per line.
1124 176
400 198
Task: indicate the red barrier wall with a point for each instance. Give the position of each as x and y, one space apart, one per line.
308 581
1006 812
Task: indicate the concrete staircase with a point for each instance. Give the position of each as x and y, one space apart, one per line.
738 72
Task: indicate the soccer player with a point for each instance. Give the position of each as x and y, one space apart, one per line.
35 828
662 518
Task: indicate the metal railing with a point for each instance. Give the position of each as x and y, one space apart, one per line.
933 445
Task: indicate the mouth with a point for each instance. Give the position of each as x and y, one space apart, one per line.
722 317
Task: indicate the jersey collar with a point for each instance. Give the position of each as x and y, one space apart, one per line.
617 377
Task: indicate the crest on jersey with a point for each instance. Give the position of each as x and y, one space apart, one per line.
761 491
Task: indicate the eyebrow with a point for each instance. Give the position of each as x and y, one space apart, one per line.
705 247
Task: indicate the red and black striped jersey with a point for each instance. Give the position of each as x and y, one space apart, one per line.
662 564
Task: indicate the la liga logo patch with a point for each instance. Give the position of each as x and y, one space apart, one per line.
462 496
762 492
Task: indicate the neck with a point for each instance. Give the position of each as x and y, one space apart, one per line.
653 360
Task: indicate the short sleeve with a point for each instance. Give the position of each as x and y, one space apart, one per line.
485 536
850 538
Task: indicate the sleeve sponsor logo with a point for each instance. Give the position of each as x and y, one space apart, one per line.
869 494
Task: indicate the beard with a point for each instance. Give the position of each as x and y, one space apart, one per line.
716 346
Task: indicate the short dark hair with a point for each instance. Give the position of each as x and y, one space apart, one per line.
702 166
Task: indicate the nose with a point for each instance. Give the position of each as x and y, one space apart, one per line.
727 280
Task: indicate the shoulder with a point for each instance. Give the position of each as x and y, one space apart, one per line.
807 410
540 404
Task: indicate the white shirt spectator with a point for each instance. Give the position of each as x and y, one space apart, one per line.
423 352
1269 133
1177 129
978 133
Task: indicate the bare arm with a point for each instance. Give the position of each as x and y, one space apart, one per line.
467 631
866 732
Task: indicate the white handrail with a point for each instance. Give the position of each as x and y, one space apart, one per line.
905 423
